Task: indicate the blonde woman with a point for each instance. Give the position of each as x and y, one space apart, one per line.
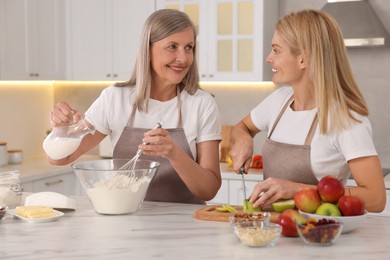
163 86
316 122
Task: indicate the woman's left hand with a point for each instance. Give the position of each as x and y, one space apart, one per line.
273 189
158 142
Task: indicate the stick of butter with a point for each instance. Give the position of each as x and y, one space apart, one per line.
35 211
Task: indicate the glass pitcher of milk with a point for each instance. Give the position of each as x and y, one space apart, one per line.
64 140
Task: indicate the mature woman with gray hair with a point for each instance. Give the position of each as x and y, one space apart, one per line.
164 86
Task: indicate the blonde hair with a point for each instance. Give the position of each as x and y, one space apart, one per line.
158 26
318 36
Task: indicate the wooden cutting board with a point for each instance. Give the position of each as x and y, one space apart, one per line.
211 213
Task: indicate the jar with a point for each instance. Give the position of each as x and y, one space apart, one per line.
3 154
10 190
15 156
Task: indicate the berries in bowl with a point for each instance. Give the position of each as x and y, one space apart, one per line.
321 232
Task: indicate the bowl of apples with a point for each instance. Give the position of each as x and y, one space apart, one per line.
329 201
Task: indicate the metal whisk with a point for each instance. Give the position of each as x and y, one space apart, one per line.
130 165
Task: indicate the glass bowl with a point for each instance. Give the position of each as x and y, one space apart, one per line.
350 223
319 232
244 219
258 236
114 191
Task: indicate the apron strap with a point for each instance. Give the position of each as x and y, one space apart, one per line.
312 130
280 115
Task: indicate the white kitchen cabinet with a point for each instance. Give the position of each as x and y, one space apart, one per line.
231 192
103 37
222 196
32 39
66 184
236 194
234 36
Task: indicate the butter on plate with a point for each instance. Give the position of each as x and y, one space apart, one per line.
32 212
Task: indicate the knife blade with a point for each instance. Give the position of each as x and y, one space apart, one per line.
242 172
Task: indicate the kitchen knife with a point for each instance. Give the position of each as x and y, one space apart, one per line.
243 181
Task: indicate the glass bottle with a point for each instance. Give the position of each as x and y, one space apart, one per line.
64 140
10 190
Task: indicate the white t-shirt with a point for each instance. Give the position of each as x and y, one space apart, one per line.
200 117
329 153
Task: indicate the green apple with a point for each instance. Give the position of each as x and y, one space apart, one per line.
328 209
281 206
225 208
248 207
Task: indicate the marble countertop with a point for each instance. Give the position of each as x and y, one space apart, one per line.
169 231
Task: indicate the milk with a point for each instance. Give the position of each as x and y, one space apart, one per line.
59 148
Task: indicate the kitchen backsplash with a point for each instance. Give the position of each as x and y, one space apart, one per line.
25 109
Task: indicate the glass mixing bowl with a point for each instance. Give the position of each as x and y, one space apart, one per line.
114 191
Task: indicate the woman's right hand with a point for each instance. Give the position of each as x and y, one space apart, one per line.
62 114
241 153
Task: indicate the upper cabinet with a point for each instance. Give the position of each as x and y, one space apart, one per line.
104 36
233 36
32 39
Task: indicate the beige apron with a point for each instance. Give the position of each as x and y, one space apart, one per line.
167 185
289 161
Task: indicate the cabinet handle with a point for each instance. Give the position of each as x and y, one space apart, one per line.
50 183
36 74
203 75
115 75
211 75
108 75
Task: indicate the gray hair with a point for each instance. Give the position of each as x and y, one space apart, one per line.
158 26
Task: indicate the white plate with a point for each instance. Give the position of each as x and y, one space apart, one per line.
57 213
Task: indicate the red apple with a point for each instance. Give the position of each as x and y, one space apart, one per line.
307 200
288 219
351 206
330 189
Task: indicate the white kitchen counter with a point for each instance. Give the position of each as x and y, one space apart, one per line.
169 231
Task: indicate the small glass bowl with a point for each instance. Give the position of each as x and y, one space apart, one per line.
320 235
245 219
258 236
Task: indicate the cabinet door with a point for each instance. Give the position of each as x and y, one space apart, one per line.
231 36
90 23
32 42
232 39
104 39
64 184
128 18
222 196
236 194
